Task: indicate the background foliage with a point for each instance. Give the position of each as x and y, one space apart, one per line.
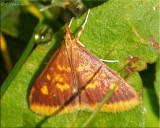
115 30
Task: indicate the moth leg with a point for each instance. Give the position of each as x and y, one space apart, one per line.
70 22
82 28
80 43
110 61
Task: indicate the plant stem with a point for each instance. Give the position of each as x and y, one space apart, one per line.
21 61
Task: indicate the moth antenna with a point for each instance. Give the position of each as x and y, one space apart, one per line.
70 22
110 61
82 28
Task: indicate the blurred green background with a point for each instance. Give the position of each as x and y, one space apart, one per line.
18 21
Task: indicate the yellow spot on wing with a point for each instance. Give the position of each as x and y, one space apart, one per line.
44 90
62 68
112 85
62 87
92 86
58 78
103 74
48 77
81 68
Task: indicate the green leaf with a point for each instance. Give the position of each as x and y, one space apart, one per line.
18 24
114 31
157 82
151 107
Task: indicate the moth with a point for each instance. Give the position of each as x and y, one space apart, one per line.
75 79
